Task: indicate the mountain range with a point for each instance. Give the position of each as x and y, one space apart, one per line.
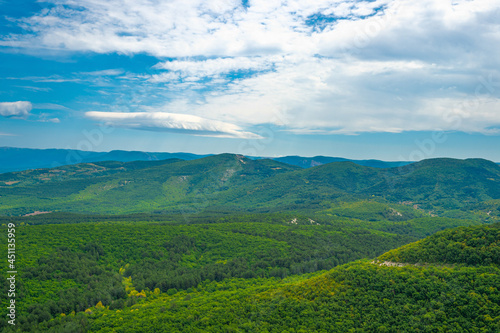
19 159
234 183
227 243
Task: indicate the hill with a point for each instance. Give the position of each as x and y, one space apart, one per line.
437 187
179 186
72 267
362 296
233 183
74 172
476 245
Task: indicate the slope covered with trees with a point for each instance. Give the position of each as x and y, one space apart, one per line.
476 245
363 296
226 243
233 183
72 267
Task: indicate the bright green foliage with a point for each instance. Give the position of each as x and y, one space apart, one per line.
420 227
358 297
244 243
476 245
72 267
373 211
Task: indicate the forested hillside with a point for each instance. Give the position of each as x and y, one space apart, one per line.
478 245
232 183
72 267
363 296
227 243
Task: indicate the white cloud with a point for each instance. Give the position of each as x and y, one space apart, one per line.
183 28
105 72
171 122
35 89
20 109
45 79
213 67
43 119
323 66
50 106
327 96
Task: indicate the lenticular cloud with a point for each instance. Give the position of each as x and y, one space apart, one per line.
171 122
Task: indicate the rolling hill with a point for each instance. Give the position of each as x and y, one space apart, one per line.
477 245
363 296
444 187
228 243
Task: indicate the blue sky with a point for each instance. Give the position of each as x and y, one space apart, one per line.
392 80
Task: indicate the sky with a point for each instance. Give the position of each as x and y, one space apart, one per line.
384 79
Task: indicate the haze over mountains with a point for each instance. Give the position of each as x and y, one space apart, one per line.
307 162
19 159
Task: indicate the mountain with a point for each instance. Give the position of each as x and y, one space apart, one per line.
18 159
235 183
435 185
254 245
308 162
445 182
75 171
176 185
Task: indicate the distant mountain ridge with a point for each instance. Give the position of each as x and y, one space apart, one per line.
19 159
308 162
234 183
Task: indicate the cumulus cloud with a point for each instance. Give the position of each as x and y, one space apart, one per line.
171 122
20 109
185 28
325 66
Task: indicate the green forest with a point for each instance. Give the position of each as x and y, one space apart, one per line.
246 277
463 189
228 244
